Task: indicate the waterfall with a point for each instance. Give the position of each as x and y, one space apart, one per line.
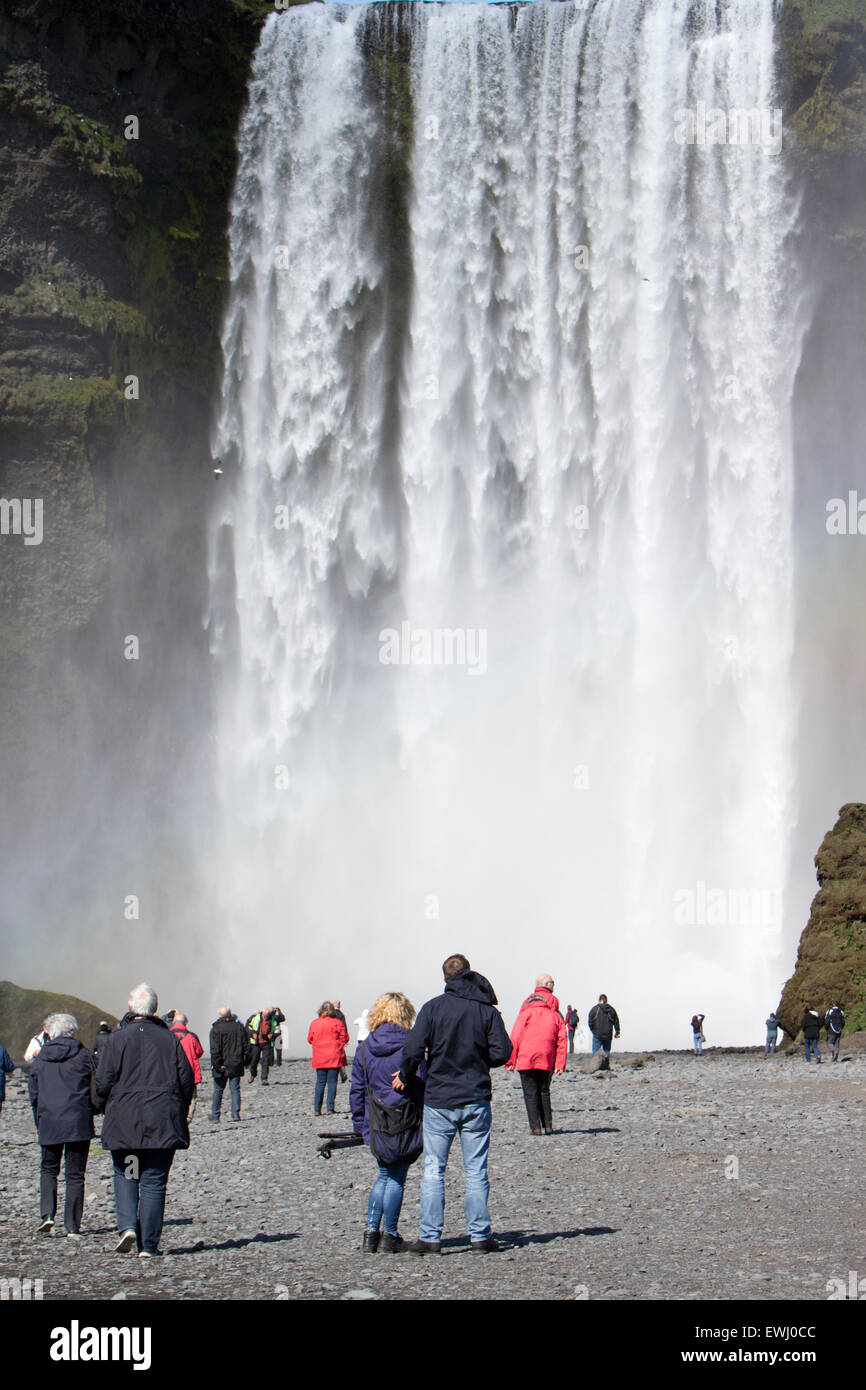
501 567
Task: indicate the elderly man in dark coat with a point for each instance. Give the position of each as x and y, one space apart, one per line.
144 1082
59 1088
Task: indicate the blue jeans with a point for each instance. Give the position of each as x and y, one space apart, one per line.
600 1043
219 1084
472 1123
140 1180
698 1044
812 1043
386 1198
329 1075
770 1044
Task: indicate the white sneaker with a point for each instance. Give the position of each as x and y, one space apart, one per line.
126 1242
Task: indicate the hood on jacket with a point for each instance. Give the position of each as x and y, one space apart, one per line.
388 1039
470 985
544 998
60 1049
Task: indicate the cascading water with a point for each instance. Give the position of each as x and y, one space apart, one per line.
502 571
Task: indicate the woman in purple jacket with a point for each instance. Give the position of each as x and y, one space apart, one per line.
376 1060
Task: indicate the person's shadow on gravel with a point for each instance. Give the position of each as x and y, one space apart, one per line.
518 1238
201 1246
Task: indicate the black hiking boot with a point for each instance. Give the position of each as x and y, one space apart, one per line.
425 1247
370 1243
391 1245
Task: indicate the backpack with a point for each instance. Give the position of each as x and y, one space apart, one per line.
396 1134
835 1019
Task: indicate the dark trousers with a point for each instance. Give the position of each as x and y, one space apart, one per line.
570 1039
266 1052
536 1098
140 1180
73 1173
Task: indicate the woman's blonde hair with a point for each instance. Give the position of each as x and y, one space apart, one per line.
327 1010
391 1008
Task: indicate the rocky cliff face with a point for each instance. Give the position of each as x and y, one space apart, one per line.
831 960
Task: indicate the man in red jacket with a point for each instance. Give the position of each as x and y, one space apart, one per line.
193 1049
539 1043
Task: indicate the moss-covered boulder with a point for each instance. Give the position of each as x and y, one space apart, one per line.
831 960
22 1012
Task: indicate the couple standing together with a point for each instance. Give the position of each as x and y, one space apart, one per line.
442 1063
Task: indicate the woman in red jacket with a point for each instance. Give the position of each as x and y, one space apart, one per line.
539 1041
328 1036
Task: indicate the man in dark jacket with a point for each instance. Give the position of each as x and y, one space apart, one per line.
229 1056
603 1023
59 1089
461 1036
811 1027
6 1065
102 1033
144 1082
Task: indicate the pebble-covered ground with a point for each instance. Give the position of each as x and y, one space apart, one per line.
725 1177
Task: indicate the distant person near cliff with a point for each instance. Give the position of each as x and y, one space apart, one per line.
230 1052
191 1044
6 1066
538 1039
772 1025
834 1022
102 1033
603 1024
811 1026
60 1095
38 1041
278 1018
698 1032
460 1035
328 1037
572 1019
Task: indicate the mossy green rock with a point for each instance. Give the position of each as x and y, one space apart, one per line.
22 1012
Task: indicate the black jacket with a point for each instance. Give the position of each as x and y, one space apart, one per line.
144 1083
603 1020
461 1035
229 1047
811 1024
59 1089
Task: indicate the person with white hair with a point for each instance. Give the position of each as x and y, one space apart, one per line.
38 1041
539 1042
144 1083
59 1089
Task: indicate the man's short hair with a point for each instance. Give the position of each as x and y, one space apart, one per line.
453 966
602 999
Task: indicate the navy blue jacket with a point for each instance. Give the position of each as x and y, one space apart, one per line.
144 1083
383 1052
461 1035
59 1089
6 1064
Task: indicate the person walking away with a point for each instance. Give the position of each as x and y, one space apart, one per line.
59 1090
811 1026
327 1037
6 1066
572 1019
772 1026
538 1039
698 1032
229 1057
603 1024
390 1020
262 1047
342 1017
278 1018
191 1044
102 1031
144 1084
834 1022
38 1041
460 1035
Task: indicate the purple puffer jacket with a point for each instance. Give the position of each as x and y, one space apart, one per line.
384 1052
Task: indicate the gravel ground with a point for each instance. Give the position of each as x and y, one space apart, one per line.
725 1177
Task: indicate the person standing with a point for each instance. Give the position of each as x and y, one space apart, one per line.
834 1022
772 1026
262 1046
102 1032
460 1035
811 1026
191 1044
278 1018
144 1083
342 1017
38 1041
229 1057
603 1024
698 1032
6 1066
538 1039
391 1017
327 1037
572 1019
59 1089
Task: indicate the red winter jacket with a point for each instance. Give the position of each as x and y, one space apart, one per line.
192 1047
328 1037
539 1038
